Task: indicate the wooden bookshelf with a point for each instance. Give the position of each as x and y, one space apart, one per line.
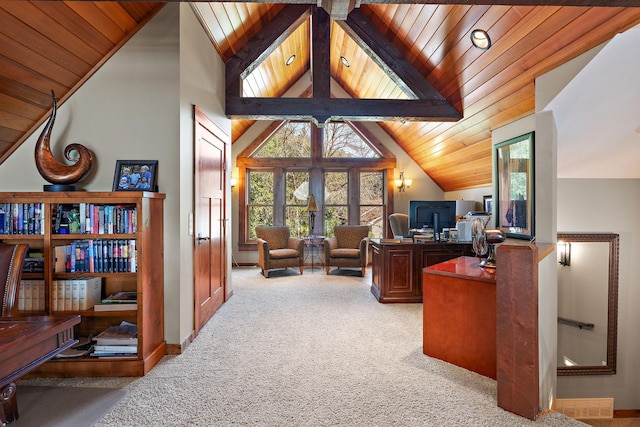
147 279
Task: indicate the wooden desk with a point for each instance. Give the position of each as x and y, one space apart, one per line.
459 312
396 266
25 343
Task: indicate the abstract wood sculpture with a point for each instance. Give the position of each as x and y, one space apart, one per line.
51 169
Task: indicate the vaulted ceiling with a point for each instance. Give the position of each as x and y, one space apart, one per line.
58 45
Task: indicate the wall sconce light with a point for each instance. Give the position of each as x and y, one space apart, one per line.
480 39
234 177
403 183
564 250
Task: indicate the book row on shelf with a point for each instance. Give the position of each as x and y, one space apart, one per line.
31 296
94 219
22 218
96 256
78 294
77 218
116 341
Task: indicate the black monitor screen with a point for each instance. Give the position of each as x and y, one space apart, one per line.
421 213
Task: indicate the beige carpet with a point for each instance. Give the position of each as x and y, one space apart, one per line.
311 350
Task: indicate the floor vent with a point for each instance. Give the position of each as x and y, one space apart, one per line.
582 409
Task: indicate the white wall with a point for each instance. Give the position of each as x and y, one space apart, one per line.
138 106
475 194
202 83
609 206
600 205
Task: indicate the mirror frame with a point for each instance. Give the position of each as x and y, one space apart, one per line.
504 168
612 322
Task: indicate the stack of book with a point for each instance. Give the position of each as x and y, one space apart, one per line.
78 294
117 341
31 295
120 301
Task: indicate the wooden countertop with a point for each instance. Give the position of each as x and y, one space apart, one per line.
463 267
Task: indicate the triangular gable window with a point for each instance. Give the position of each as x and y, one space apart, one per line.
293 140
341 141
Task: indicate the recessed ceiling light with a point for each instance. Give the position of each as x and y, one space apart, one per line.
345 61
480 39
290 60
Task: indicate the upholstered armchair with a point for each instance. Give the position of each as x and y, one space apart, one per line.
399 223
277 249
11 262
347 248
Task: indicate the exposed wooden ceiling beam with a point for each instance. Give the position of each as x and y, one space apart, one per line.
427 103
322 110
320 53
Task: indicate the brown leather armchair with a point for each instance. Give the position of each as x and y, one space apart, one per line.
277 249
348 247
11 262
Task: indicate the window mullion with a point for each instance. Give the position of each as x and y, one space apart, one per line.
354 196
278 196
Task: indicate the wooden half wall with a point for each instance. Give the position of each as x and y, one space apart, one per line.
517 329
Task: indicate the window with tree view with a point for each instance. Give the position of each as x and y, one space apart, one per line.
296 200
260 205
372 209
346 174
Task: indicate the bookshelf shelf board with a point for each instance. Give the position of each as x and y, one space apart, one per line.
91 236
92 313
24 237
93 273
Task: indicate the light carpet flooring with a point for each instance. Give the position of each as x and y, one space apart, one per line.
310 350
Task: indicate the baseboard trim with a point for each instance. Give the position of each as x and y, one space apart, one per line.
175 349
626 413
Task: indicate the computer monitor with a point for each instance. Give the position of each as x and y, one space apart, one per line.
426 213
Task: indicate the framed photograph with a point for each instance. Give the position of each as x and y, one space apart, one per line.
135 175
515 171
488 204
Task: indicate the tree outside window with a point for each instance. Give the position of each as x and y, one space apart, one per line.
372 208
296 200
336 200
260 207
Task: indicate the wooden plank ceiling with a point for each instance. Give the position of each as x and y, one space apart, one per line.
58 45
491 88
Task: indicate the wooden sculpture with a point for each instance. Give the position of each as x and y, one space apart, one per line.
52 170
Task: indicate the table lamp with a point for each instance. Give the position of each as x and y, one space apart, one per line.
312 207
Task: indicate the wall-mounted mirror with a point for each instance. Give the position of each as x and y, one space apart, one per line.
587 303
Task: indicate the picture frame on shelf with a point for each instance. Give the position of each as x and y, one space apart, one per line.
135 175
488 204
515 207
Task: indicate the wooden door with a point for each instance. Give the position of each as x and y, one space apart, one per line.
210 222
